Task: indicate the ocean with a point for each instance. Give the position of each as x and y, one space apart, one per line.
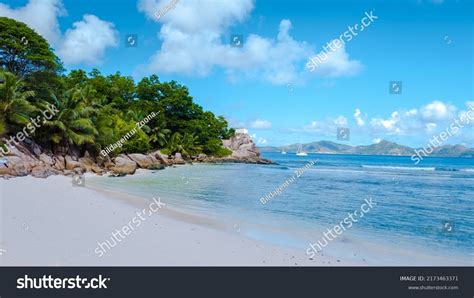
426 208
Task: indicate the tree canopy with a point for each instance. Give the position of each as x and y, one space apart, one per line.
23 51
97 110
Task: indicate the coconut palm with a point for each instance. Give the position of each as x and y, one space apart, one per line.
159 134
72 125
14 105
185 144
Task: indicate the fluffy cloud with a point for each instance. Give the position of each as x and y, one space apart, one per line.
427 119
340 121
195 40
326 127
86 42
423 122
438 110
336 63
358 118
41 15
260 124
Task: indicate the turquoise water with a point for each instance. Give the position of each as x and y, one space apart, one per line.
413 202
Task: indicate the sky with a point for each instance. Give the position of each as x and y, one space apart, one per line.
403 74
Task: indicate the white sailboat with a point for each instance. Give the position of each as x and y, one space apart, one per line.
300 151
283 152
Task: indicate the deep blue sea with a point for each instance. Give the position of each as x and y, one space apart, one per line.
429 206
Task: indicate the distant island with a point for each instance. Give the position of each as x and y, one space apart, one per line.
384 147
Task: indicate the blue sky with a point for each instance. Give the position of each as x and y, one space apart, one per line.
265 85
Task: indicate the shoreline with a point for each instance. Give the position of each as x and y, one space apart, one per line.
42 231
51 223
28 158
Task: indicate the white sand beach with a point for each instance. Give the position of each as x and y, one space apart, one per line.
48 222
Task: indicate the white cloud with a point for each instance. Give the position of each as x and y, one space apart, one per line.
422 122
260 124
428 119
195 40
438 110
41 15
336 63
340 121
376 141
389 124
325 127
86 42
358 118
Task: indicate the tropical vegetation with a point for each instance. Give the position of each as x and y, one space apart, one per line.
96 110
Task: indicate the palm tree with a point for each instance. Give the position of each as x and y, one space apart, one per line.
190 142
14 105
137 116
184 144
159 134
72 125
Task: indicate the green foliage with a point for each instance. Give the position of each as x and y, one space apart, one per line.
23 51
95 110
15 109
223 152
185 144
138 143
73 124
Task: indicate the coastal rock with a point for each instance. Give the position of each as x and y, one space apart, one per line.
178 159
109 165
243 150
59 163
41 171
144 161
86 163
72 164
18 167
25 156
46 159
163 158
242 146
96 169
89 165
32 146
201 157
7 172
124 165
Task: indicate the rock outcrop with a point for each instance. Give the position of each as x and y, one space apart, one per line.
163 158
145 161
72 164
243 150
178 159
124 165
29 159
